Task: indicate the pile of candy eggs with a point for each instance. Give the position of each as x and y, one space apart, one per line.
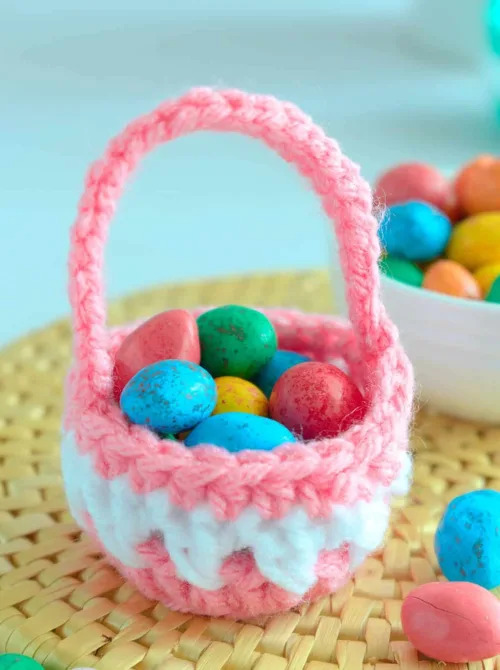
443 235
221 380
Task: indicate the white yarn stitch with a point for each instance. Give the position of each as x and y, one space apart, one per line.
286 550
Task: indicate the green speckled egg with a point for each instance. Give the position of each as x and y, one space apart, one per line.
494 292
18 662
402 270
235 341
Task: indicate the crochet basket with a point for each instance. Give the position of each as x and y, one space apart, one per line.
204 530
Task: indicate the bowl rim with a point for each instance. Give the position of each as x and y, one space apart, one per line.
443 298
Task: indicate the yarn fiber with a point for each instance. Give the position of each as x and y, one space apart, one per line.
273 528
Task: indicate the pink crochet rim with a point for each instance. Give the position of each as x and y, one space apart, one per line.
346 468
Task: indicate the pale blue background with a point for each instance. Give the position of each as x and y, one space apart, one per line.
72 74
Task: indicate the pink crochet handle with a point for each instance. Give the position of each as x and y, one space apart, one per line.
345 196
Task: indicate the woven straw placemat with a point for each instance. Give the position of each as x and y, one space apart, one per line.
62 604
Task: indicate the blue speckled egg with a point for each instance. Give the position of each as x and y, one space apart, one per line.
236 431
169 396
467 540
415 231
282 360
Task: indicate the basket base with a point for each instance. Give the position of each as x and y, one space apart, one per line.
247 566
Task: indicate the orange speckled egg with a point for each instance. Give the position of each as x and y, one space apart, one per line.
449 277
477 185
239 395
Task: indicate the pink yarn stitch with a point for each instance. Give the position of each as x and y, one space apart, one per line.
315 475
246 592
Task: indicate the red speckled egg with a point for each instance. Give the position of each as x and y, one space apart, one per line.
316 400
414 181
166 336
454 622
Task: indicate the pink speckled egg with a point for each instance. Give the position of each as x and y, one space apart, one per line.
414 181
454 622
169 335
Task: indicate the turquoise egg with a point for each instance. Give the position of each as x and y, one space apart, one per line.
18 662
236 431
169 396
282 360
467 540
415 231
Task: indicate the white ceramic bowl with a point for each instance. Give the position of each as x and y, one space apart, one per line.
454 345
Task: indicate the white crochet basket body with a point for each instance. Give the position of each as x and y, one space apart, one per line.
201 529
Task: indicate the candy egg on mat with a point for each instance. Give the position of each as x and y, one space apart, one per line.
18 662
413 181
169 335
239 395
454 622
316 400
477 185
236 432
445 276
467 541
236 341
415 231
402 270
475 242
269 374
169 396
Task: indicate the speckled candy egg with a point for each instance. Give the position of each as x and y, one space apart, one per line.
236 432
414 231
445 276
478 185
493 294
282 360
402 270
235 341
454 622
486 275
18 662
239 395
169 396
413 181
467 541
316 400
475 242
169 335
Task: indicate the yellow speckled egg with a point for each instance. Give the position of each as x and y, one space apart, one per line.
475 242
486 275
239 395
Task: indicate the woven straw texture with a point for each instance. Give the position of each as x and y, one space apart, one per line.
63 605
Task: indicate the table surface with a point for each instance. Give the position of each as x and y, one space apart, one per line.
74 73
